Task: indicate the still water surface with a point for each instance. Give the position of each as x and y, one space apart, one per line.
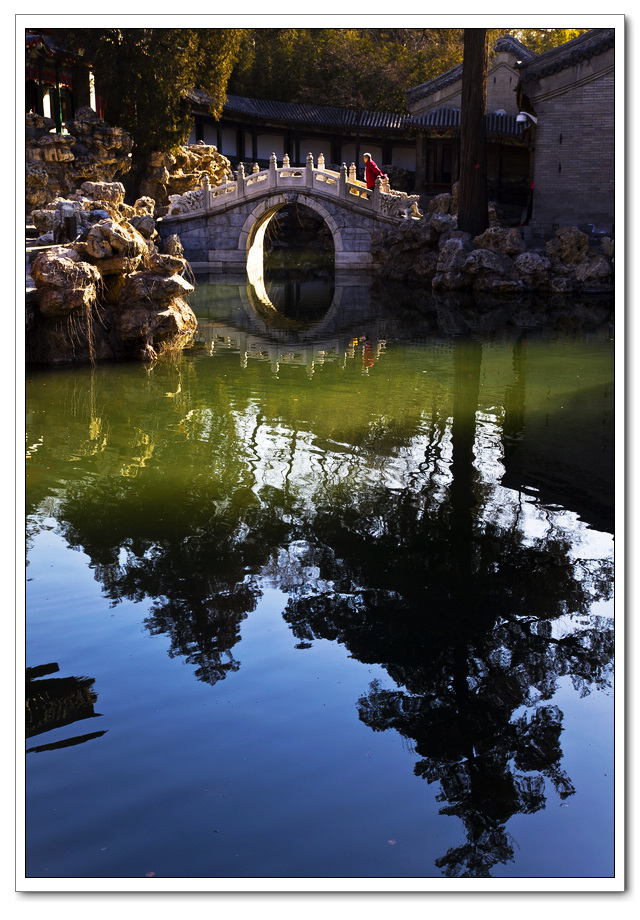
327 596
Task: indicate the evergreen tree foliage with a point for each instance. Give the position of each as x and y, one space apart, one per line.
541 40
144 75
370 69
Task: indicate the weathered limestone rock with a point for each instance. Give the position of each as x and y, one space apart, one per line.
64 282
67 219
173 246
503 287
101 151
507 240
607 247
569 245
442 222
441 204
494 263
57 164
117 248
143 330
169 175
406 250
111 192
52 148
594 269
561 284
144 224
425 265
109 294
486 268
533 269
144 287
449 274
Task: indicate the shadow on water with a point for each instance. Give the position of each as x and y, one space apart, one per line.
427 564
52 702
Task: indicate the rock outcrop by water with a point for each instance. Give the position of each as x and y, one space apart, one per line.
103 288
109 293
432 251
58 164
93 151
168 174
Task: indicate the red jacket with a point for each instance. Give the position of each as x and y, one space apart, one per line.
371 173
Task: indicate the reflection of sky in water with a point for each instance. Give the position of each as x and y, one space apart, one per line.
287 459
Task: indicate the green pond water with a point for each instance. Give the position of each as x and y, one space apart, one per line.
327 596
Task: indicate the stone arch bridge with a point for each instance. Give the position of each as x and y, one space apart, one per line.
222 229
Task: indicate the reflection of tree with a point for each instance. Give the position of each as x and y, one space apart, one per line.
170 495
465 660
461 613
514 402
188 549
54 702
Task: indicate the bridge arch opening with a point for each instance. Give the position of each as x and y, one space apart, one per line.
298 239
297 283
280 228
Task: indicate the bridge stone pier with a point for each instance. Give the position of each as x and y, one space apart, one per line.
222 229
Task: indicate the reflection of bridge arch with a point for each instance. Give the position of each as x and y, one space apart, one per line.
263 316
252 233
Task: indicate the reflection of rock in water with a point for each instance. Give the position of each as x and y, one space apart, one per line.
56 702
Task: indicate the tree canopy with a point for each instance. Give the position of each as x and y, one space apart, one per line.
365 68
144 75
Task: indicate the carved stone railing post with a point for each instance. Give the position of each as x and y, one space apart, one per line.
206 192
286 161
352 173
273 167
342 182
309 171
240 181
321 162
376 194
256 168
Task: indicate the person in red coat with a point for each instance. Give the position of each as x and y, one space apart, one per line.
371 171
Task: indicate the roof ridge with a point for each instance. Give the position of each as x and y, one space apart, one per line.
312 114
581 48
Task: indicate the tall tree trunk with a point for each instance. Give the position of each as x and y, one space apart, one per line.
473 214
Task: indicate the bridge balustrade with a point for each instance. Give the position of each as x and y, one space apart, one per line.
381 201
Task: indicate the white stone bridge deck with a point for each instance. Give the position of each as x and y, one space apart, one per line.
222 228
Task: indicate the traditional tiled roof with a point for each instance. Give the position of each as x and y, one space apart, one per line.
504 43
450 118
511 45
585 46
44 44
300 113
291 114
433 86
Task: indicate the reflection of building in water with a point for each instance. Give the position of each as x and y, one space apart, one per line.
56 702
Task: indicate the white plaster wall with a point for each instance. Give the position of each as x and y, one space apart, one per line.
268 144
316 146
403 158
